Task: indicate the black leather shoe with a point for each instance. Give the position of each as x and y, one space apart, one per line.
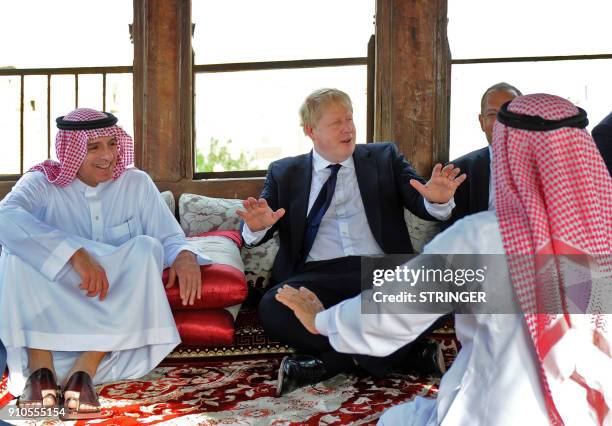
297 371
425 359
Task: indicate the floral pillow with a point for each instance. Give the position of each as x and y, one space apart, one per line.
198 213
258 262
168 198
421 231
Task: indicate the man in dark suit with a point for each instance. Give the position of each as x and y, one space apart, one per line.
331 206
476 194
602 134
2 359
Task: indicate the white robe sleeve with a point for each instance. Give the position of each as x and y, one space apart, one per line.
350 331
23 234
160 223
380 334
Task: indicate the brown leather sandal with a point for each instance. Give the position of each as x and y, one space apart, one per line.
40 385
80 390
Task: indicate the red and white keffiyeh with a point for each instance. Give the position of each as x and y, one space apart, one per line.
71 148
554 197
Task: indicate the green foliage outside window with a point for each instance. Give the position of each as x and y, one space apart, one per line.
219 159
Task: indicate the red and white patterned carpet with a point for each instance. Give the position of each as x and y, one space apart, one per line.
241 392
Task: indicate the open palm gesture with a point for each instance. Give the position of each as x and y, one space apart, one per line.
442 185
304 304
258 215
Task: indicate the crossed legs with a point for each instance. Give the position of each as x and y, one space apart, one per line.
332 281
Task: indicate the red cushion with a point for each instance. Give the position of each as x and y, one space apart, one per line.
213 327
222 286
235 236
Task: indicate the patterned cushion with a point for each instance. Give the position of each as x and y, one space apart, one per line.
169 200
421 231
199 213
258 262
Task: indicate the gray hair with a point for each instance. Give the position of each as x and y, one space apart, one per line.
499 87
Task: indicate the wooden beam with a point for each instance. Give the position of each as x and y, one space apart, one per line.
412 93
221 188
240 188
163 88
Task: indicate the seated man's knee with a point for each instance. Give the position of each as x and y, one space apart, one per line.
273 314
148 244
267 303
146 241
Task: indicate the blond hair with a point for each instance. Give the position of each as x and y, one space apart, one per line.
312 108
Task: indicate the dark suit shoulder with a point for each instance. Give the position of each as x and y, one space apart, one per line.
288 164
602 133
289 161
377 146
470 158
378 149
607 121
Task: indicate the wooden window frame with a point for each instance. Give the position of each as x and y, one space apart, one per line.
287 65
76 72
410 100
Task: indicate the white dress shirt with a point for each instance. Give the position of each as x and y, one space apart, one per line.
344 229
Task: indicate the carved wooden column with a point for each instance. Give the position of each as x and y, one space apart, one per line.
412 94
163 88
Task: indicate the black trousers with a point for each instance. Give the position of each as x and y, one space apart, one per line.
332 281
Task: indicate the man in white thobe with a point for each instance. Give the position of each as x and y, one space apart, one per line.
84 241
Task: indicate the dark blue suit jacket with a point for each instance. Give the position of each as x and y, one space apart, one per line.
472 196
383 176
602 134
2 359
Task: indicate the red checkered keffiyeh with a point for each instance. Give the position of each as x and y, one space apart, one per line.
554 196
71 148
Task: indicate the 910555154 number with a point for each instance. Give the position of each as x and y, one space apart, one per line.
15 412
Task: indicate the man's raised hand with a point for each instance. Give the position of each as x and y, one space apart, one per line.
442 185
258 215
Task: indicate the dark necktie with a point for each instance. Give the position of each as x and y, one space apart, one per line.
318 210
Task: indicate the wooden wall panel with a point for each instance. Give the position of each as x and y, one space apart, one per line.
411 102
412 99
222 188
163 88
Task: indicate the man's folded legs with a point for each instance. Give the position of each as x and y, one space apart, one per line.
333 281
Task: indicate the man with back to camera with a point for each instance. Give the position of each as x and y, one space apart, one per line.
477 193
331 206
